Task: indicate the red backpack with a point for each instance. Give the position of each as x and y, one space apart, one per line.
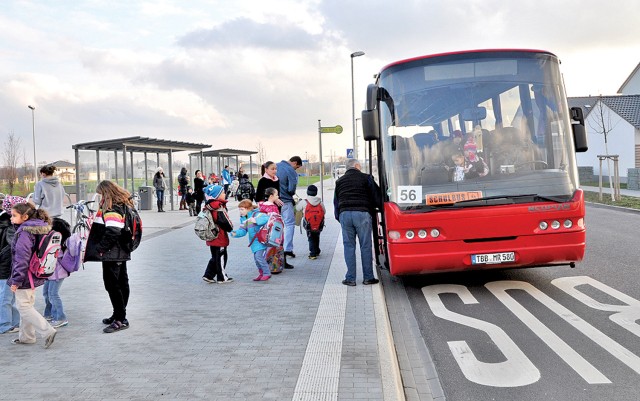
313 217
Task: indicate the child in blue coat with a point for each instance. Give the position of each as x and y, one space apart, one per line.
251 220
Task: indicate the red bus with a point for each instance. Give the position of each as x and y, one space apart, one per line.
475 156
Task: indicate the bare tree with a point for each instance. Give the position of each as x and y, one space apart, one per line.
262 153
10 158
601 124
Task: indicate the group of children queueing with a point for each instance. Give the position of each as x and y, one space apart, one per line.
253 218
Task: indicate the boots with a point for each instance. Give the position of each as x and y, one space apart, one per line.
183 204
160 207
287 265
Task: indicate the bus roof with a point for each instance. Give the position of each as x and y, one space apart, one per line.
465 52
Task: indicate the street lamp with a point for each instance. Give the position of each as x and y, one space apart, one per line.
353 106
33 124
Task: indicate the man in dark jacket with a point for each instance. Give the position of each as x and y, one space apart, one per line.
356 199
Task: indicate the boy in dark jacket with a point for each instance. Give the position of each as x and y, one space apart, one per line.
190 198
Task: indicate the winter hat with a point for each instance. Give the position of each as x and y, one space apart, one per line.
312 190
213 191
470 146
11 200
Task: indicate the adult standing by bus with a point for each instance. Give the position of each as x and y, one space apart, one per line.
355 200
288 178
49 192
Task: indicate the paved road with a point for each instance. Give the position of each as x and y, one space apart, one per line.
534 336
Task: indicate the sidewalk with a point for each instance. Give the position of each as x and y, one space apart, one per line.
607 190
300 336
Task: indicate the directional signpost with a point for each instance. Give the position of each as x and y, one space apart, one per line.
325 130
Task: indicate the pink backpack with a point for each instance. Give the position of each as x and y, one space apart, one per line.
45 257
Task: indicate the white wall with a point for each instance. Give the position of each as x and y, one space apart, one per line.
633 86
621 140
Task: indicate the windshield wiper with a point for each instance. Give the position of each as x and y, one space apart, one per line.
509 199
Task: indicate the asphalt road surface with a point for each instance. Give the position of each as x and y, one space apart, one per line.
552 333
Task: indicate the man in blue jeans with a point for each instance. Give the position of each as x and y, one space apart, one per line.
286 171
356 199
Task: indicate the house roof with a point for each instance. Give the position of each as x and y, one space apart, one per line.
626 106
63 163
635 70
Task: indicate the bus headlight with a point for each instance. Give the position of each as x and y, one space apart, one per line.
555 224
568 224
435 233
409 234
394 235
543 225
422 234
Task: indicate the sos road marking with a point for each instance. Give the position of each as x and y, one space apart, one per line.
518 370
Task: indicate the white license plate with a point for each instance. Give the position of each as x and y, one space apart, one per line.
493 258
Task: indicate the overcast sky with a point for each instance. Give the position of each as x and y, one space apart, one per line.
237 73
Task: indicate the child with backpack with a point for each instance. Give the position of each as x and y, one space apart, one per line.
269 206
245 189
251 221
54 311
313 219
9 316
32 225
216 204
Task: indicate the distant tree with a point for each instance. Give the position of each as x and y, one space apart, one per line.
601 124
262 153
10 158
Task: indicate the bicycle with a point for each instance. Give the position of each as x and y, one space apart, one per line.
83 221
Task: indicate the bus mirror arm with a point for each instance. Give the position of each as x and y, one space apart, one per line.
579 130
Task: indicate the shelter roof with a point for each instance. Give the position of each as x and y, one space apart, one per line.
225 152
141 144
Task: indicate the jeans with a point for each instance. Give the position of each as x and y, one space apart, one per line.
53 303
314 243
9 316
289 218
358 224
160 195
260 257
116 282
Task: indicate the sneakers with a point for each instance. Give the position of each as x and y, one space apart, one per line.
288 266
14 329
228 280
17 341
371 281
258 278
290 254
59 323
48 318
349 283
49 339
209 280
109 320
116 326
313 257
265 278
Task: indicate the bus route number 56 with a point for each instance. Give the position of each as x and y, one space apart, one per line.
409 194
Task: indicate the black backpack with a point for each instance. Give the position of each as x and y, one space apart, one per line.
245 191
131 233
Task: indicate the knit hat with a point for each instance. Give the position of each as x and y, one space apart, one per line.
470 146
213 191
11 200
312 190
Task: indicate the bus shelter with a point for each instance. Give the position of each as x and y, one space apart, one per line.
215 160
130 162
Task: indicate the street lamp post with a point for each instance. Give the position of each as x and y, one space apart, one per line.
33 125
353 105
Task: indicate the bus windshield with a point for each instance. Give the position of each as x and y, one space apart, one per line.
459 127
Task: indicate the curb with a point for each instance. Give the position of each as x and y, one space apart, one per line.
392 387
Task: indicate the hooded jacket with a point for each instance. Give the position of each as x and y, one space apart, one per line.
218 209
22 249
288 181
183 181
7 232
251 229
49 195
103 244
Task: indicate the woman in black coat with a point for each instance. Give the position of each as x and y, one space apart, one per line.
198 190
104 245
269 179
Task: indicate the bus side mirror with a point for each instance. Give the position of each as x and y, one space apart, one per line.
372 96
579 131
370 126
